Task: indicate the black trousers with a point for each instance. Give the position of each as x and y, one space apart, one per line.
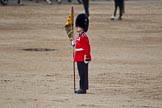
83 74
119 3
86 6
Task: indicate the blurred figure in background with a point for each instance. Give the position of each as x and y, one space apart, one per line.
120 4
86 7
48 1
59 1
20 2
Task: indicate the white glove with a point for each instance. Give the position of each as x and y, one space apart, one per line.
86 62
73 43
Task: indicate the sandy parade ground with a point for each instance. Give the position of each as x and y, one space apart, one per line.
36 68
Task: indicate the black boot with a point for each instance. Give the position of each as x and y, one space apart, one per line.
80 91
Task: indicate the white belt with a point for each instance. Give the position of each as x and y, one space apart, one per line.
79 49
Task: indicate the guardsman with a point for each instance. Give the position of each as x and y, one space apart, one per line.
120 4
82 52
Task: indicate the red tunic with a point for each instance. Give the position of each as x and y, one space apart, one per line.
82 48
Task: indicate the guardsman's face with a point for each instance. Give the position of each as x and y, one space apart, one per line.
79 29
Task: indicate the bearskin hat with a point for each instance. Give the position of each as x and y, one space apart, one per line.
82 21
